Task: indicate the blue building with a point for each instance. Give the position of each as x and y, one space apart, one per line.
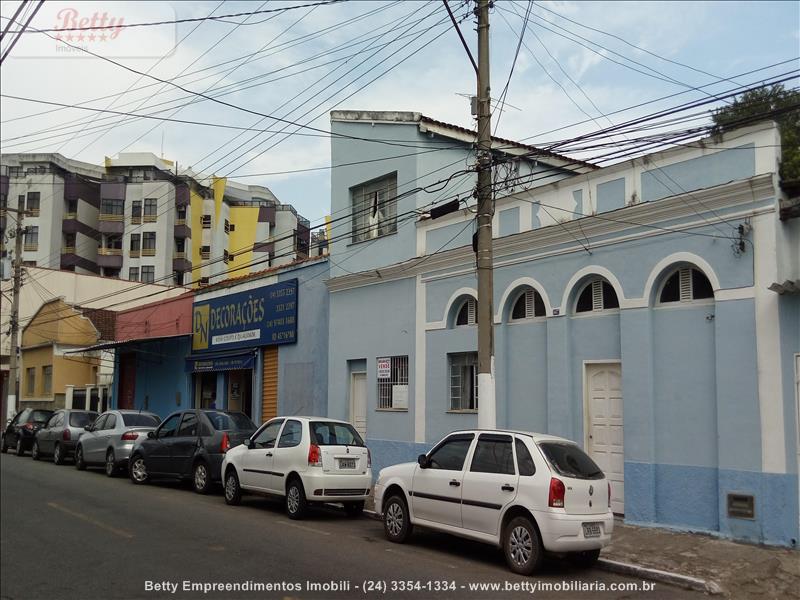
636 311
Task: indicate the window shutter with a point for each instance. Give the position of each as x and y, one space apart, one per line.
529 304
471 310
597 295
686 284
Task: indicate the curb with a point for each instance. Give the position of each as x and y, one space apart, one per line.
684 581
614 566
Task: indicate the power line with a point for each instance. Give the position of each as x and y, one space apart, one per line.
513 64
21 31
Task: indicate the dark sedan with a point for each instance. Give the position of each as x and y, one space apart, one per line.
22 429
189 444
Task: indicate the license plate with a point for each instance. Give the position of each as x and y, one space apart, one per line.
348 463
591 530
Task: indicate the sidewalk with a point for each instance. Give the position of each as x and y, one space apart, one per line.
740 570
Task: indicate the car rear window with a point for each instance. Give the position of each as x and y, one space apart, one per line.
140 420
41 416
328 433
81 419
570 461
230 421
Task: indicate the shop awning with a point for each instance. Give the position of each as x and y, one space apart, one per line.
220 361
121 343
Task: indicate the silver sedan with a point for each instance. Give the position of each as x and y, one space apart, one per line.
110 439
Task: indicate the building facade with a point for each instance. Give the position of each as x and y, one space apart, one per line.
142 218
634 313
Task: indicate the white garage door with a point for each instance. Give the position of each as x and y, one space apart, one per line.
604 408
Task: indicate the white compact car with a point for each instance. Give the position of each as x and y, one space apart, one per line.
524 492
304 459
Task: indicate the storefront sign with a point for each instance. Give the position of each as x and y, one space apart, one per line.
222 363
259 317
384 368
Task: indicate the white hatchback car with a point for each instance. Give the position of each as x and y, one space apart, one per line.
524 492
304 459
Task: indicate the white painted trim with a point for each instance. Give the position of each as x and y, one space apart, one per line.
671 261
419 361
584 272
464 291
513 287
744 293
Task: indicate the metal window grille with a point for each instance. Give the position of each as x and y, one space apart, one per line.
464 381
375 208
398 375
206 221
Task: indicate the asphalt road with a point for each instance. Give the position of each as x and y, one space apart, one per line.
68 534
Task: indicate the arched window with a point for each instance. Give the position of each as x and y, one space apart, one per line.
597 295
467 314
685 285
528 304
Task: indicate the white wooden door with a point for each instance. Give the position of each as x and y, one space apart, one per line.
358 402
604 419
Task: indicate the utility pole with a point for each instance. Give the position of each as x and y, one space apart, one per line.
487 413
11 403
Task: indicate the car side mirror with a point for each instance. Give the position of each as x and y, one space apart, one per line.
424 461
249 443
87 427
151 435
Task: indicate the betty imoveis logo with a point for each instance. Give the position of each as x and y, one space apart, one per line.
96 27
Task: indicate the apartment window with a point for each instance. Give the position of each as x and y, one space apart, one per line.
205 251
204 281
47 379
111 207
32 205
178 277
136 211
30 381
149 243
227 226
72 207
133 274
597 295
226 257
180 246
180 214
150 210
32 237
374 206
463 381
393 382
69 242
148 274
232 227
110 273
528 305
135 244
113 242
684 285
206 221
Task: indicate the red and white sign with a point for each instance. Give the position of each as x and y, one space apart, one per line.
384 368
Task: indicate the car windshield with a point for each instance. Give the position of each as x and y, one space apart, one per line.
329 433
230 421
81 419
41 416
140 420
570 461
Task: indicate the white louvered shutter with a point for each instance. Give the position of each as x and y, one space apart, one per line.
597 295
685 275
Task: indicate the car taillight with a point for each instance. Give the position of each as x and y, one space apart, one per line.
226 443
314 456
66 435
609 494
556 497
369 459
130 436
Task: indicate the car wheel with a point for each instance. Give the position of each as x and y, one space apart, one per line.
296 504
80 464
396 521
20 449
58 455
201 478
138 470
35 450
585 559
233 491
522 546
111 463
354 509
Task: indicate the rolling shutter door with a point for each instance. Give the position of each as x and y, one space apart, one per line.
269 385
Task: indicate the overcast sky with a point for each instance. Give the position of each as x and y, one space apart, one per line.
301 74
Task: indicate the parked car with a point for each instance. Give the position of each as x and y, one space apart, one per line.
305 460
21 430
524 492
189 444
60 434
109 440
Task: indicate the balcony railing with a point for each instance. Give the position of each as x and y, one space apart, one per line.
180 221
136 220
68 250
33 212
148 251
70 215
110 217
179 255
110 251
30 247
205 255
134 253
150 218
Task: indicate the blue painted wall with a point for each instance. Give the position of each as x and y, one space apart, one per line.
509 221
611 195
